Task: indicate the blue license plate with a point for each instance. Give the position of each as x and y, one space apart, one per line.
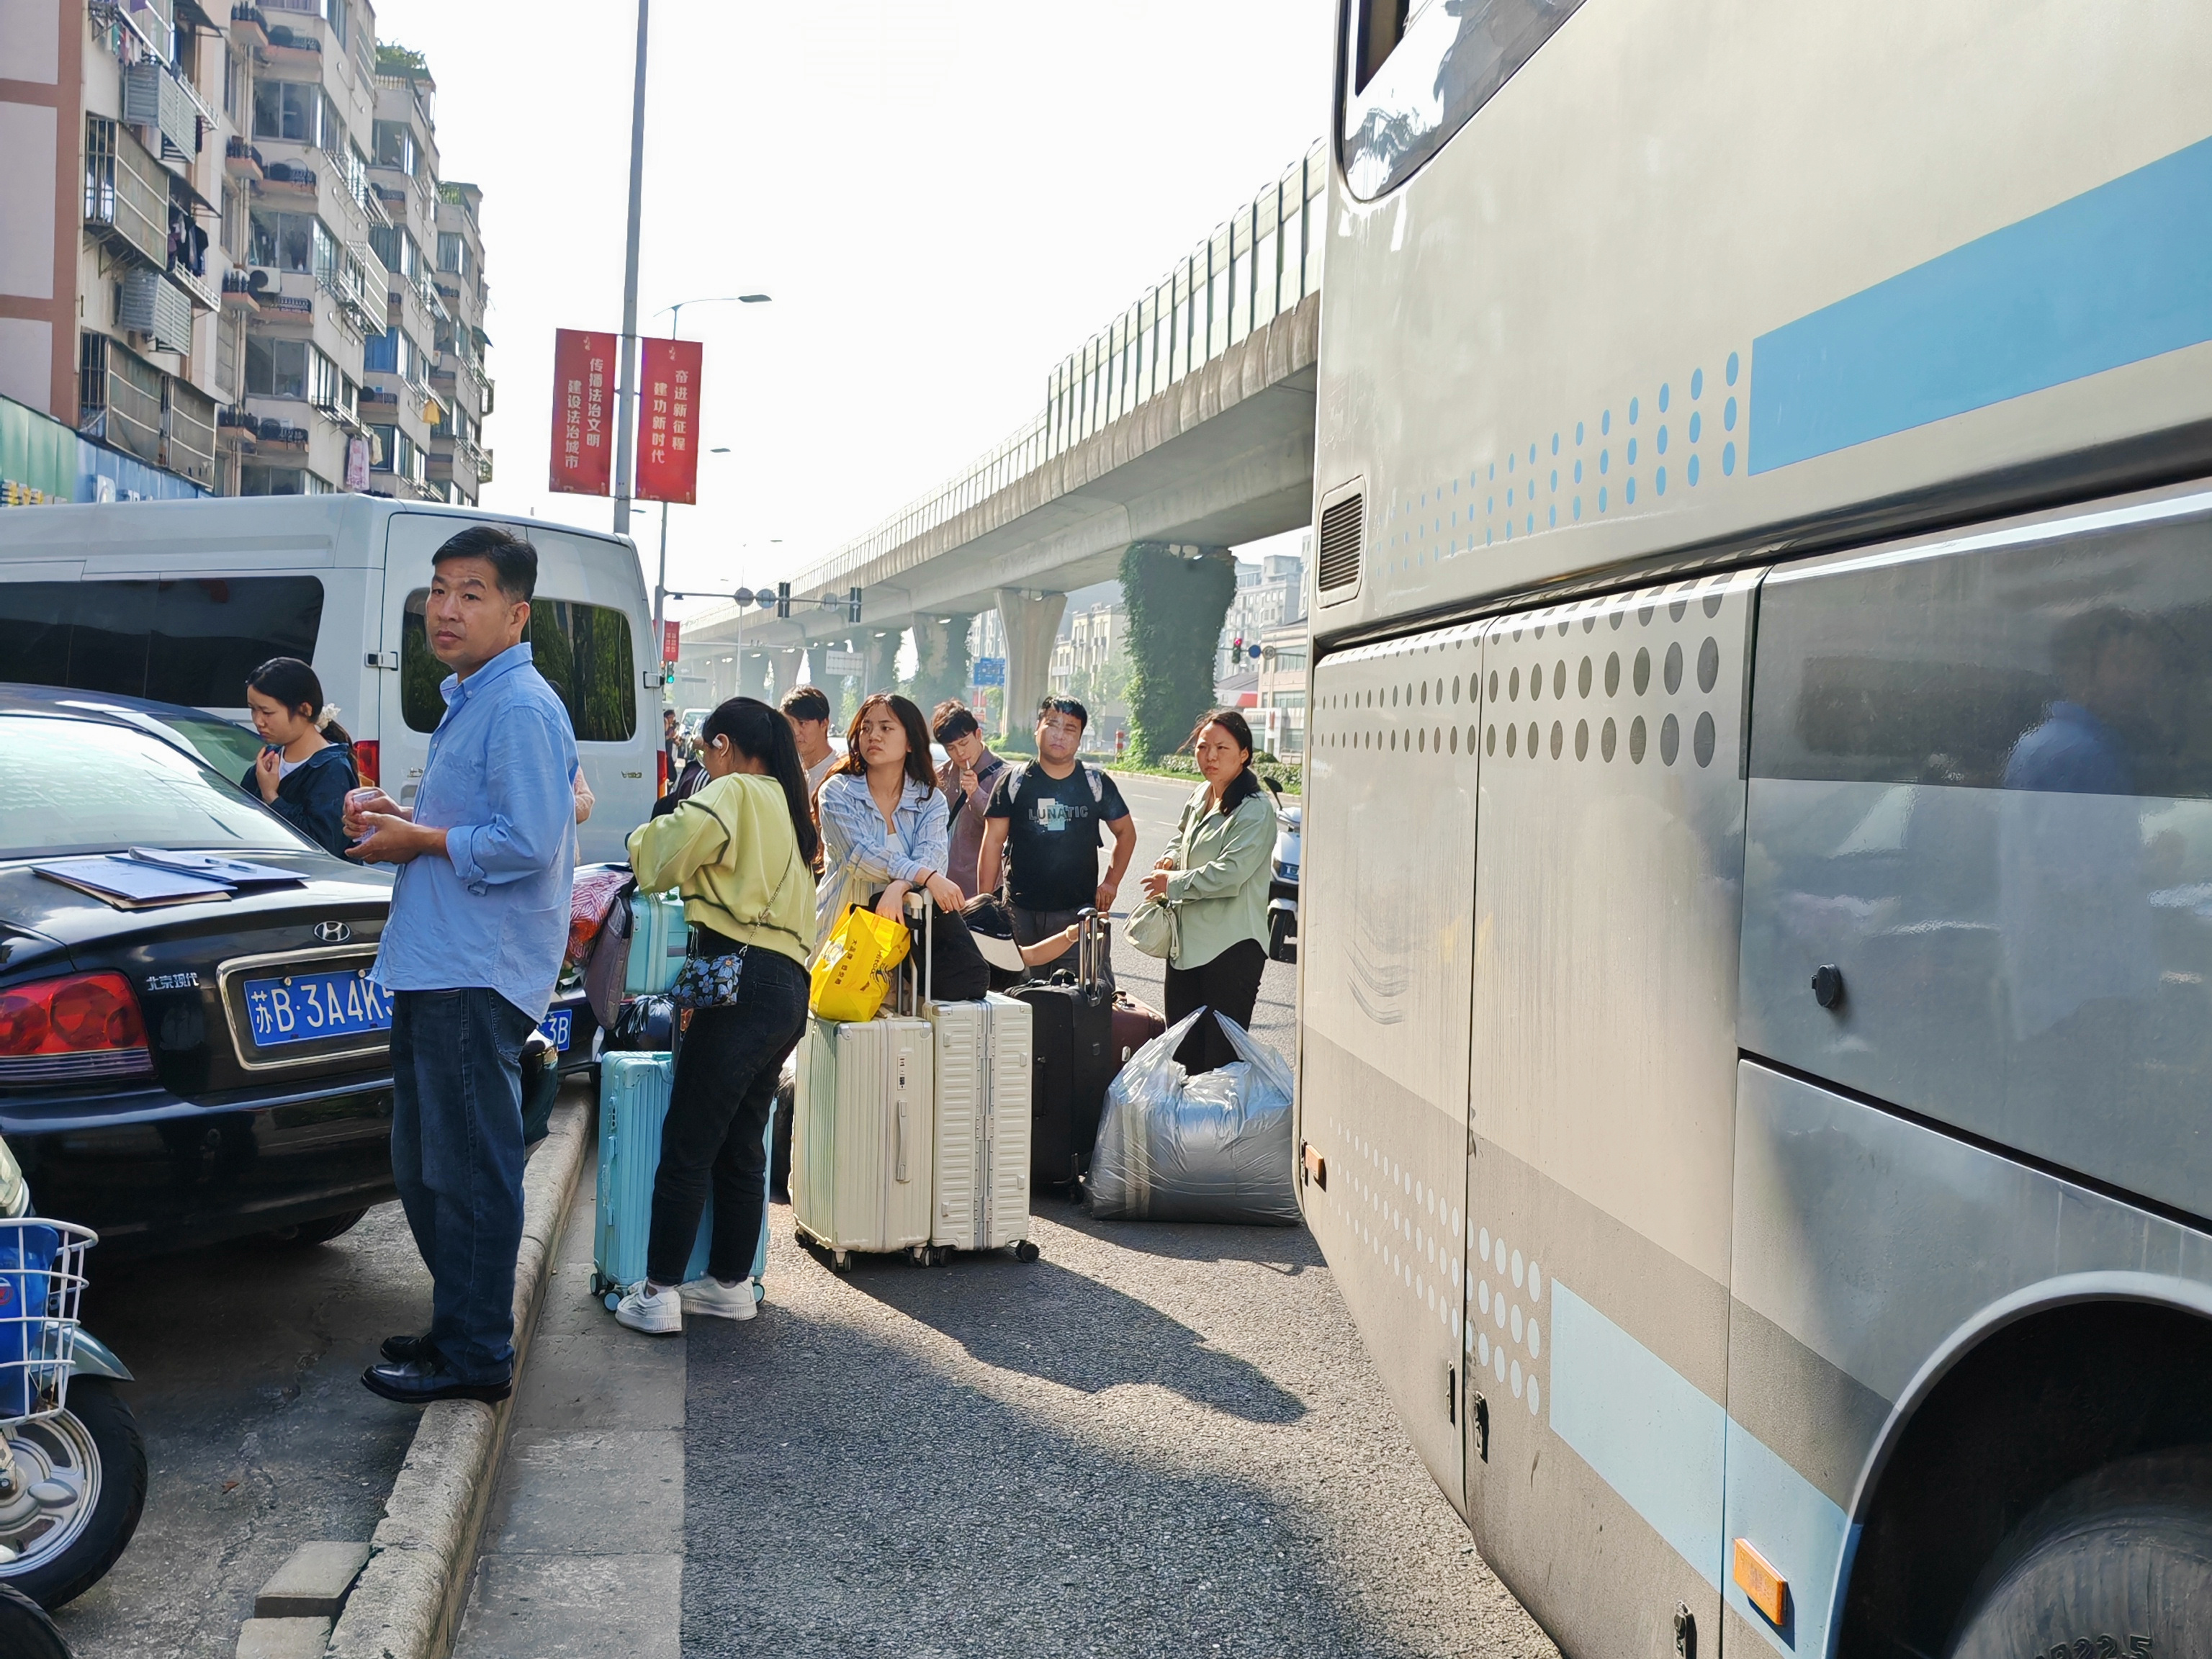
556 1028
304 1007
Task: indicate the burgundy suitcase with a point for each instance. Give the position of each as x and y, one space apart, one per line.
1135 1026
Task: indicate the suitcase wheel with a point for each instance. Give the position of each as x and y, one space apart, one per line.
1025 1251
841 1262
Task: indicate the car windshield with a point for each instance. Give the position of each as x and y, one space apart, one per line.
72 787
226 746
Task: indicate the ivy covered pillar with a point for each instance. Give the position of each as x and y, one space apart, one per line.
941 658
883 652
1178 598
1032 623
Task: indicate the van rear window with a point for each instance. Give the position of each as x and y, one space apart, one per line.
189 640
583 650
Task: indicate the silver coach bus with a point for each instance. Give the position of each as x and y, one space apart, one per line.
1756 1036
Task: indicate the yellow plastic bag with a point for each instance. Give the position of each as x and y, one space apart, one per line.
852 975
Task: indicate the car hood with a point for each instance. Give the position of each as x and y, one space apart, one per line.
30 903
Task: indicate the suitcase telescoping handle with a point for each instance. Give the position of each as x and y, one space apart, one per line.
922 980
1091 955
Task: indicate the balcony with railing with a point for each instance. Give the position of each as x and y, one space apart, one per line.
241 160
126 191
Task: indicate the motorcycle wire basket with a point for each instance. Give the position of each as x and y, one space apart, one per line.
41 1279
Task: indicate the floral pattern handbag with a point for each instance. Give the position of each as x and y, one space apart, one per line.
712 981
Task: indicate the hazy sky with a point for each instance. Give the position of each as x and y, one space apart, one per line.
942 200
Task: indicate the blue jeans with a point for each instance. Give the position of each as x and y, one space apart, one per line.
726 1068
457 1160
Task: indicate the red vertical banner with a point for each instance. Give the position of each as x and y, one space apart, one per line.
671 641
583 418
668 421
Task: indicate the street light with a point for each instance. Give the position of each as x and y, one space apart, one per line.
675 315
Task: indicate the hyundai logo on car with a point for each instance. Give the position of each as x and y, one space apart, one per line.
333 932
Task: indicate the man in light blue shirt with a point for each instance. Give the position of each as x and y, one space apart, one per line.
479 922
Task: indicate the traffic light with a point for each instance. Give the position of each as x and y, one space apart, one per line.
853 604
783 598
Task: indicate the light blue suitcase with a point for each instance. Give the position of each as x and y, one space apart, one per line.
659 938
633 1102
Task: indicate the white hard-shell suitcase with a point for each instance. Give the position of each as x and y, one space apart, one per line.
982 1153
862 1133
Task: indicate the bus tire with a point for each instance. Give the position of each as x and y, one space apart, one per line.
2116 1565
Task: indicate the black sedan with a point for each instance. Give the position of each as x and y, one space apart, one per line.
176 1073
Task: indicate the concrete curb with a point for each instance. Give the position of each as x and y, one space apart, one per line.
407 1602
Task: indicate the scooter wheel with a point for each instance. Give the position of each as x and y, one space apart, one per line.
26 1632
94 1447
1025 1251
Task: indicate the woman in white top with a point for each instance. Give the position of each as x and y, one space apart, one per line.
882 817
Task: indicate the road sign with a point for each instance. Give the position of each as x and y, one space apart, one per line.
841 663
583 428
989 670
671 640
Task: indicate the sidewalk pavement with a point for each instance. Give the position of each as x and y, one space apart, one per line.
583 1552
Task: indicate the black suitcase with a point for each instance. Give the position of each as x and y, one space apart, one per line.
1072 1031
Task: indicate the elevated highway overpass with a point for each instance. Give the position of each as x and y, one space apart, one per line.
1188 422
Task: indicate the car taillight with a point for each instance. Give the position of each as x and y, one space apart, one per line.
366 761
660 775
87 1025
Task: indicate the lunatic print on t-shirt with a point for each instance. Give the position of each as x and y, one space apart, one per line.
1052 843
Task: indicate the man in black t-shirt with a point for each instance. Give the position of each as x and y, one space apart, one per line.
1043 829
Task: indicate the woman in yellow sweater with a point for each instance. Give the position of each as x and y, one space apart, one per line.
742 849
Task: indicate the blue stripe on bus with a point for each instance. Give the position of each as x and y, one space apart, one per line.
1650 1433
2115 275
1696 1477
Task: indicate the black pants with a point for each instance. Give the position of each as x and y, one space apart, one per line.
1230 984
718 1112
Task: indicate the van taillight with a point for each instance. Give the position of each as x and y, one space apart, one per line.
365 760
660 775
86 1025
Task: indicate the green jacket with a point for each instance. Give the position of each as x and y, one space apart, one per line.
1219 887
731 848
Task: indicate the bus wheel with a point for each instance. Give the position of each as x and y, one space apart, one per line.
2117 1563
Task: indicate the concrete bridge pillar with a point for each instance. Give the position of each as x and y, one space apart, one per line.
752 674
1032 623
786 671
882 648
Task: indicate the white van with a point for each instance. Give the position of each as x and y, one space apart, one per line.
178 601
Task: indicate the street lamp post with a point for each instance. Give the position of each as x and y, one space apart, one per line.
675 315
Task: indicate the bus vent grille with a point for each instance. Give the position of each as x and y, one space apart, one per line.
1339 546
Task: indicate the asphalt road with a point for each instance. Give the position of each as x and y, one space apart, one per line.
1155 1440
259 1435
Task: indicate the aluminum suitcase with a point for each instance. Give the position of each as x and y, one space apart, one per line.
981 1174
863 1130
633 1104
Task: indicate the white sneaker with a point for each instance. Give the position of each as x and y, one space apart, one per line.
708 1295
657 1313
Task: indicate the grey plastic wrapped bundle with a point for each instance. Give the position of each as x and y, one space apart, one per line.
1214 1147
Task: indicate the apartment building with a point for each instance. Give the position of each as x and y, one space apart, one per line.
1090 661
1268 592
210 248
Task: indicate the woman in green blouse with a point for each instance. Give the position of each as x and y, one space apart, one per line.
1214 875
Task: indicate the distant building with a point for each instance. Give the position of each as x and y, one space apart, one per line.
1090 662
1268 591
1281 726
226 232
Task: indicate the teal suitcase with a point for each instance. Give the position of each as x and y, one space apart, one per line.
658 941
633 1102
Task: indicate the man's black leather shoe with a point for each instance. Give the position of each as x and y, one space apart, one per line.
421 1383
401 1349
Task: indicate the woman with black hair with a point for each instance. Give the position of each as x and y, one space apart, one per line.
883 816
742 850
1214 878
305 765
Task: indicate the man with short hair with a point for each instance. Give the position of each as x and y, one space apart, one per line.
808 711
673 743
478 924
1044 822
973 775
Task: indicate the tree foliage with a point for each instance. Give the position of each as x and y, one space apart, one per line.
1176 606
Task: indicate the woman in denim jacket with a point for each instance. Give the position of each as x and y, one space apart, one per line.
882 817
